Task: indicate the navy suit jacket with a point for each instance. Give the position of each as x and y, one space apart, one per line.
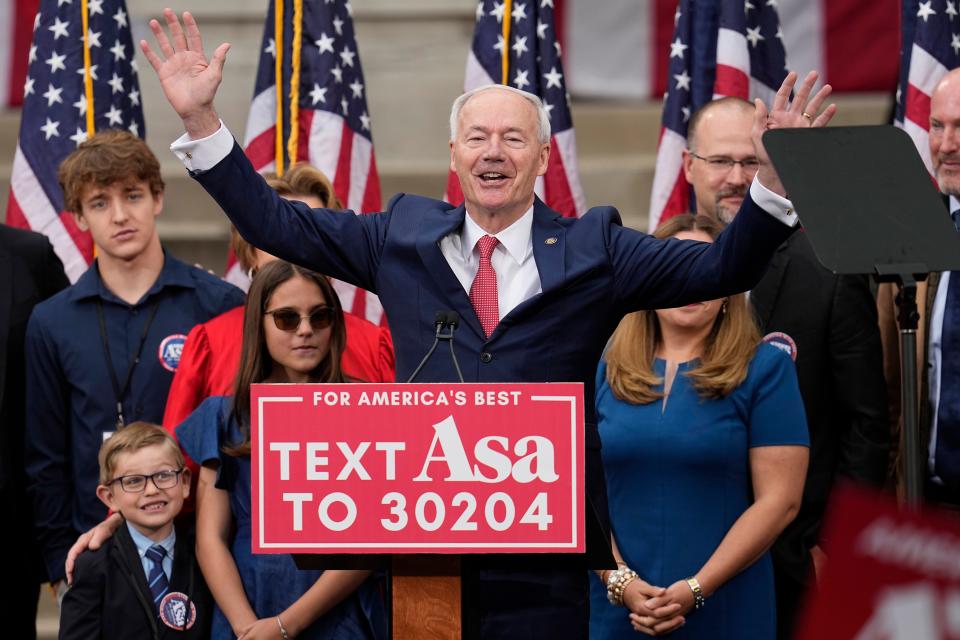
592 272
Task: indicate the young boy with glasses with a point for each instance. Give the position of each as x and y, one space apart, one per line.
144 582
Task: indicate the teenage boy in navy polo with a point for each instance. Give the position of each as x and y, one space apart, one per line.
145 581
102 353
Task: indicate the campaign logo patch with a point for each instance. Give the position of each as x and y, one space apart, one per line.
171 348
782 341
177 611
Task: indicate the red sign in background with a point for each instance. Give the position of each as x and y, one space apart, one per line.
890 575
417 468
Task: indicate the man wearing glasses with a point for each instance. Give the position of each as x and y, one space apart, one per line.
828 324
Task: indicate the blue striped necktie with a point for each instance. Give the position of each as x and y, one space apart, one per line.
157 579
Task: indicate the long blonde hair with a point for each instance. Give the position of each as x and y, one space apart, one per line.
727 352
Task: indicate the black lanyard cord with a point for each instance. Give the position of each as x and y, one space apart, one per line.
118 390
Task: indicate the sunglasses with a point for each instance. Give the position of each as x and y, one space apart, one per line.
289 320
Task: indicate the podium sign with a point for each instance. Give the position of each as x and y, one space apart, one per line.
890 574
417 468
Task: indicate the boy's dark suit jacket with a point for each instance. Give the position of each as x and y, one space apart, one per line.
110 597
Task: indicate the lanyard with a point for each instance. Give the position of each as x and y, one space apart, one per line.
118 390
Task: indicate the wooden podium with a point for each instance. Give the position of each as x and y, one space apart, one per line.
426 597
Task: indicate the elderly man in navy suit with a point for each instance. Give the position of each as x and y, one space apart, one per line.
538 294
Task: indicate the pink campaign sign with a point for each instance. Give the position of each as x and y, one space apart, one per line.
418 468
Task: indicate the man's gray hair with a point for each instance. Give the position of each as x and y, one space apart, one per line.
543 118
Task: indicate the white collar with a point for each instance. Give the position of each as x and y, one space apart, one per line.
515 239
954 204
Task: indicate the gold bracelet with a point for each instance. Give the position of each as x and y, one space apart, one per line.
698 599
283 631
617 585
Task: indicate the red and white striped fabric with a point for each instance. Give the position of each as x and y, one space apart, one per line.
534 65
16 25
333 127
853 43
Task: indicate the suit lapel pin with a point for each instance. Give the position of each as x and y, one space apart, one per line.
551 240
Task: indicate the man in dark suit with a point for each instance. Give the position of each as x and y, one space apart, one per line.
523 279
828 324
29 273
938 330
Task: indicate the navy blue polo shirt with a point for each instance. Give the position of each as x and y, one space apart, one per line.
71 401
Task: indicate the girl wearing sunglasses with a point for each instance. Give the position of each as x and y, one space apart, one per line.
293 332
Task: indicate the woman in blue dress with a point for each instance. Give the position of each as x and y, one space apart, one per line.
293 332
705 449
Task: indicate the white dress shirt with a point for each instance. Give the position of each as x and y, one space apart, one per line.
517 275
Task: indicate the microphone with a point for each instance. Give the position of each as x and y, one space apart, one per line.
440 320
453 321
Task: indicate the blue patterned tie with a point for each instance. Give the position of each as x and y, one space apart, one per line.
956 218
157 579
947 458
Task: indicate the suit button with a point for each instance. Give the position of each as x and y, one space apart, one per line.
486 357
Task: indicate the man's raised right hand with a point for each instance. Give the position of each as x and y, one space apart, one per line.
188 79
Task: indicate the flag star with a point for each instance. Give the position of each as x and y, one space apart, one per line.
779 34
93 71
546 3
753 36
271 48
347 56
683 80
51 128
547 107
337 73
955 43
56 62
343 105
365 121
116 83
338 25
36 21
134 128
81 104
747 6
95 7
318 94
33 54
115 116
325 43
925 10
520 45
58 28
79 136
357 87
542 29
479 10
120 17
686 113
519 13
520 80
772 3
134 67
28 87
119 51
556 45
60 3
134 97
499 46
52 95
676 16
349 8
553 78
497 11
898 95
93 37
677 48
951 9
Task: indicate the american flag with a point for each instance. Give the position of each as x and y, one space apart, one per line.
931 47
516 43
323 114
66 99
726 48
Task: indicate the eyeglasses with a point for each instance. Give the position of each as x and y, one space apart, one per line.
724 164
289 320
137 483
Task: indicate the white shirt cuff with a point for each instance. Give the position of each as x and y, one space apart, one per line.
774 204
205 153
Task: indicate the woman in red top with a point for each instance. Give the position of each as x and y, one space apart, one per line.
211 354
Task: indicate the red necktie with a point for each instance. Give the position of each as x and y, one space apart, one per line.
483 291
